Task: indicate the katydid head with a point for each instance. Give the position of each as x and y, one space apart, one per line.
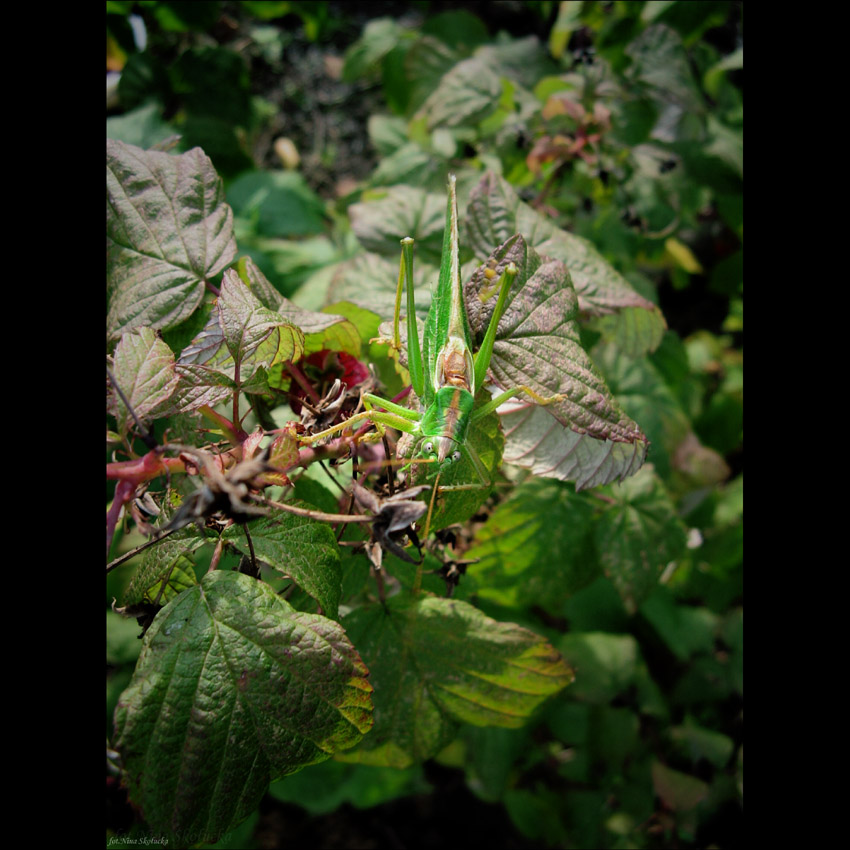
443 452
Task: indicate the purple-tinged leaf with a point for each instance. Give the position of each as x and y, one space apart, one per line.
168 231
496 213
199 386
240 329
321 330
585 438
144 369
253 333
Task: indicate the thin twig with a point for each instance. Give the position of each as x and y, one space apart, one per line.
389 466
121 559
251 548
318 514
146 438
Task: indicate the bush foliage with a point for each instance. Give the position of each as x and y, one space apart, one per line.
568 642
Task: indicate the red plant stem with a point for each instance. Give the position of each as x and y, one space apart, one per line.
236 396
144 468
231 429
402 395
124 491
216 556
130 474
301 379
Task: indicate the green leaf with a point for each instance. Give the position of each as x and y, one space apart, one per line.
326 786
266 10
605 665
233 688
168 231
144 369
522 60
302 548
660 62
696 743
387 133
641 390
401 211
378 39
458 28
142 127
586 437
568 20
638 536
685 630
536 548
181 17
535 815
279 203
122 639
214 82
678 791
289 263
466 94
143 78
496 213
171 558
490 757
410 164
438 662
714 75
221 139
635 331
198 386
370 282
425 65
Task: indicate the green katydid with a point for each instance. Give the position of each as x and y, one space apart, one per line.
444 373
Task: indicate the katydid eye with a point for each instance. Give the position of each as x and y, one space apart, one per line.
428 447
456 457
